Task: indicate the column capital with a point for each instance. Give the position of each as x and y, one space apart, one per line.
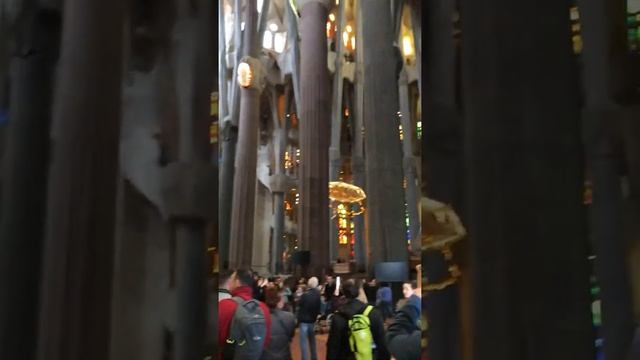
258 73
303 3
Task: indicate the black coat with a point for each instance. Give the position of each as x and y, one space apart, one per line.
338 342
309 306
404 336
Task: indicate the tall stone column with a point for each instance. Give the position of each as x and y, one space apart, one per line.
409 163
75 314
383 161
24 185
314 133
600 118
525 181
416 22
229 142
335 156
244 182
278 182
357 151
190 185
228 137
227 170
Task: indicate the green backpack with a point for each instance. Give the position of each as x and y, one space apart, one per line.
360 337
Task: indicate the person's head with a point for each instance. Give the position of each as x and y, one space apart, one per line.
273 298
408 289
373 282
225 279
313 283
351 289
241 277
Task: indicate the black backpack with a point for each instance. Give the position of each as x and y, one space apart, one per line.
248 331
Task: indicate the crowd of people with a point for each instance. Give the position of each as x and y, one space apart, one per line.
258 318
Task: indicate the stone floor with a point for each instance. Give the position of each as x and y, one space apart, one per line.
321 346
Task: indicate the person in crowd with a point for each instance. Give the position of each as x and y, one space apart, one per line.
329 293
301 288
362 296
384 300
370 289
338 343
254 286
258 291
634 352
223 281
283 326
404 334
278 282
408 290
242 306
287 296
308 311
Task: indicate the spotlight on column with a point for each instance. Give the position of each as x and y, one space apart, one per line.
245 75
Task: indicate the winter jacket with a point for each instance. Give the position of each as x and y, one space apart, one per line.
226 310
309 306
338 343
404 335
283 327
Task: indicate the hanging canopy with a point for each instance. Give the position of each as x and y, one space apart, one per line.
345 193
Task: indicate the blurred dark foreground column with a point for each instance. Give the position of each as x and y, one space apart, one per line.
78 252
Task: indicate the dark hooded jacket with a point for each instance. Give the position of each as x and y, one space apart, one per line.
404 335
338 342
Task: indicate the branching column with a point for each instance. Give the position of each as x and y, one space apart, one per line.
314 133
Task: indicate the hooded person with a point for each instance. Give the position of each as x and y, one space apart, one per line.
405 334
338 343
